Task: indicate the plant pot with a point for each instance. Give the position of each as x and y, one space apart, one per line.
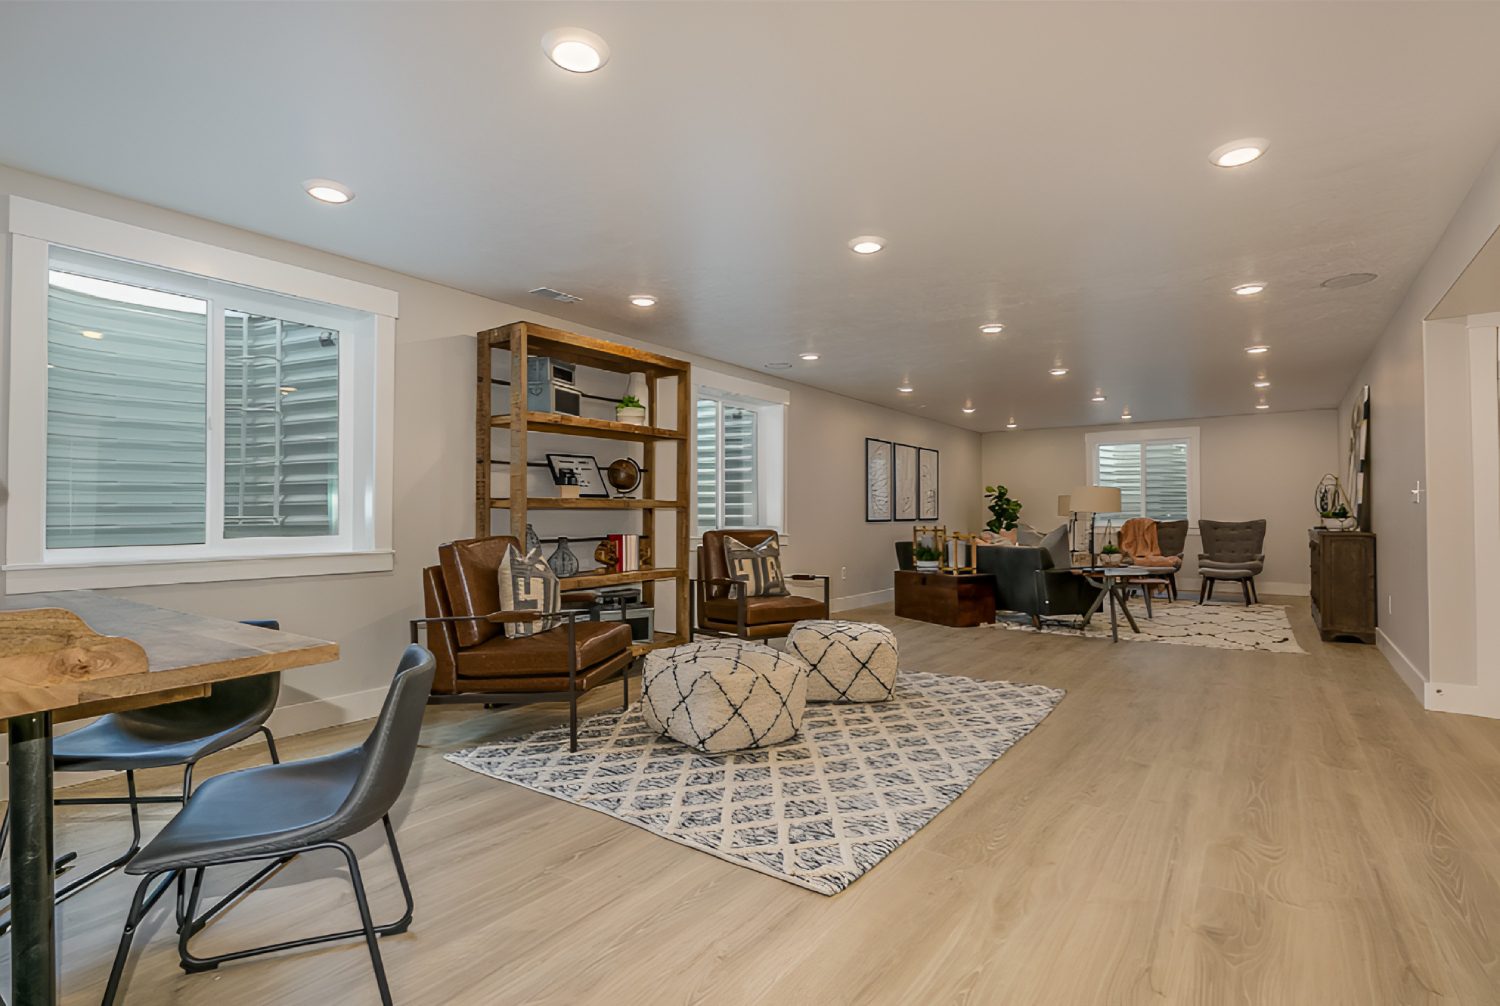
1112 560
1334 523
634 417
927 565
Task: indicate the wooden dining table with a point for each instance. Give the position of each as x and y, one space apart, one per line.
75 654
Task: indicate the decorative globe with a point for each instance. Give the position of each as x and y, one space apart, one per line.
624 475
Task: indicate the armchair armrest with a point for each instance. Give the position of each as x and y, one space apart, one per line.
813 577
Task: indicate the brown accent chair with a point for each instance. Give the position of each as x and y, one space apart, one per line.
722 609
478 661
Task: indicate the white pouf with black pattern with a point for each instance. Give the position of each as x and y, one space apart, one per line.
724 695
847 661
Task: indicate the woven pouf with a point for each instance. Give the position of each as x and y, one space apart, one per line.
724 695
847 661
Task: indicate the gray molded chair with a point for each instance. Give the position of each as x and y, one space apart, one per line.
1232 550
277 812
179 733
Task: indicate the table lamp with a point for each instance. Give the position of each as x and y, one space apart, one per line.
1094 500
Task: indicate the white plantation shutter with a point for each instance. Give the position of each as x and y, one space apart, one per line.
707 436
1153 476
728 466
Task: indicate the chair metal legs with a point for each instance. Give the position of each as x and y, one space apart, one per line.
191 923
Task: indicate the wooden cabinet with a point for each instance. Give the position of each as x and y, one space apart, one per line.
1343 584
961 600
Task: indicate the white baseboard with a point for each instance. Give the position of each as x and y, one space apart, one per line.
864 600
1407 671
1470 700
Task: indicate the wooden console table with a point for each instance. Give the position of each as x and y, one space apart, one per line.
961 600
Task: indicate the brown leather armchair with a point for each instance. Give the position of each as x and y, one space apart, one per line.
722 609
478 661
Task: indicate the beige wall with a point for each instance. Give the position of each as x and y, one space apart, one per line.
367 614
1399 436
1250 466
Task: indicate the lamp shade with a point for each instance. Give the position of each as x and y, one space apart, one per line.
1064 507
1095 499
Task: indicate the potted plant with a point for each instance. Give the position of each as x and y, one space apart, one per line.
1005 512
927 558
630 410
1336 518
1110 555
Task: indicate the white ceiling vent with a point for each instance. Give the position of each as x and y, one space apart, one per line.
557 295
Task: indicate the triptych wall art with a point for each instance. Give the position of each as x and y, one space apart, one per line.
901 481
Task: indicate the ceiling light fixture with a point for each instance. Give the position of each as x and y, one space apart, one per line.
91 334
1237 153
866 244
809 357
1098 395
1262 405
905 389
1348 280
1012 424
1259 347
1126 414
642 300
1058 371
576 50
1262 383
326 190
968 407
993 328
1249 289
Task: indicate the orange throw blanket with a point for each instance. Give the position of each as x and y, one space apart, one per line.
1138 540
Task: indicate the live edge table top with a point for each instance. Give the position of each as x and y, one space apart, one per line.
81 653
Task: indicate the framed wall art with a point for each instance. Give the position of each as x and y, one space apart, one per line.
904 482
877 480
927 484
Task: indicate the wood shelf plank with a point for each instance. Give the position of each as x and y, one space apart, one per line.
584 350
555 503
585 581
607 429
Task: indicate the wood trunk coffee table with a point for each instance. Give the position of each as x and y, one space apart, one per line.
961 600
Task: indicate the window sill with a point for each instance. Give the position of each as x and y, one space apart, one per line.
30 578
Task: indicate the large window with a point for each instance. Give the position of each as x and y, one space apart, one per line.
1156 472
183 418
739 442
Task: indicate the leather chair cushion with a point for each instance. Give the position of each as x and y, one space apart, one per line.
545 653
712 564
765 610
471 572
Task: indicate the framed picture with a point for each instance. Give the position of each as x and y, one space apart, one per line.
591 483
904 493
877 480
927 484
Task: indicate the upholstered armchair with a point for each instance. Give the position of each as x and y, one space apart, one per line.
481 659
1026 581
1232 550
721 606
1171 538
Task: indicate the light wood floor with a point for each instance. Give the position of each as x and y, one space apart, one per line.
1189 826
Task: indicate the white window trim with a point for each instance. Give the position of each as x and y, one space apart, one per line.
1093 441
36 227
771 434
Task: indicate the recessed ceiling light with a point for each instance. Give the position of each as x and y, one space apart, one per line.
993 328
905 389
1262 405
968 409
1262 383
1012 424
1098 396
866 244
91 334
779 365
1058 371
809 357
1126 413
326 190
642 300
1351 279
1259 347
1249 289
1239 152
576 50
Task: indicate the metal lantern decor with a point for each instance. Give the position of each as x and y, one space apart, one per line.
1333 504
927 547
958 553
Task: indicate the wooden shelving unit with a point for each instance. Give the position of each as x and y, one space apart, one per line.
523 339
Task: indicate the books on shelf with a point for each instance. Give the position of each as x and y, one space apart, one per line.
627 552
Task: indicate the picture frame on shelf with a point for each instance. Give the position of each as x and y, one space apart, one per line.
927 484
591 484
904 482
877 480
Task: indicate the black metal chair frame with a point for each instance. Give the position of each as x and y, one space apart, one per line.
189 923
506 700
698 596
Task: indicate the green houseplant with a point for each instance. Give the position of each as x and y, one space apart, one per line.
1005 512
630 410
927 558
1110 555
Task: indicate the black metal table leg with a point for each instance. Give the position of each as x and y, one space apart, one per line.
33 925
1114 621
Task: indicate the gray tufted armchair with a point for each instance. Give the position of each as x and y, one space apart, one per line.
1232 550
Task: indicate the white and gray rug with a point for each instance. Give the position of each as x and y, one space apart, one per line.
818 811
1183 622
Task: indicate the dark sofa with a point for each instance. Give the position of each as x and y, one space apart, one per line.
1026 581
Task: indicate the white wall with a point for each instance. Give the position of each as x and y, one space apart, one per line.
434 471
1250 467
1399 439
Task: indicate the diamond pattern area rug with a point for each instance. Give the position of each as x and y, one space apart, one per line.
818 811
1222 626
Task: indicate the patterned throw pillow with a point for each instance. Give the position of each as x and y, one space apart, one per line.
758 567
527 583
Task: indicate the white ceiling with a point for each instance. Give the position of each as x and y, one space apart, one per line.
1045 165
